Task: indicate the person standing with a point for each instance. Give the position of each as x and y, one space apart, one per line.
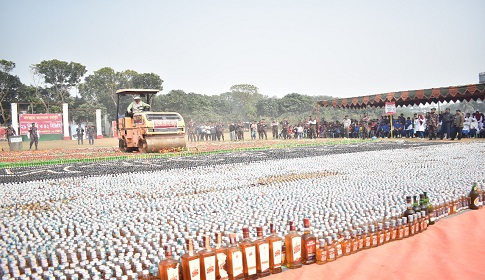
446 121
10 132
254 130
34 136
80 135
420 125
347 122
313 128
90 134
458 125
432 123
364 121
274 127
284 132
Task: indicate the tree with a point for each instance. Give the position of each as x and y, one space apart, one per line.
9 87
268 107
61 75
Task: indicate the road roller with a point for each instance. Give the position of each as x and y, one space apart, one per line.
145 131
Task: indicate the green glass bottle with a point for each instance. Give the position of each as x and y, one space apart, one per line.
474 200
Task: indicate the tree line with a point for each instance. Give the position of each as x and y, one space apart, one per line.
54 81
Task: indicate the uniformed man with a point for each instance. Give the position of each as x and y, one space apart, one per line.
365 126
274 129
284 132
34 136
432 123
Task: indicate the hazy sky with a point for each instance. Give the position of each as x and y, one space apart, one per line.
337 48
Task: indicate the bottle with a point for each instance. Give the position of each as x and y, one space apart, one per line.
424 220
331 256
168 269
262 254
416 207
221 258
347 244
309 243
207 261
190 262
338 246
387 232
360 239
249 256
367 238
354 241
321 253
473 197
409 207
283 253
406 226
422 202
275 251
411 225
394 230
234 259
431 214
381 234
293 248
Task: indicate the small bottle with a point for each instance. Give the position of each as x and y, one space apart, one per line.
293 248
338 246
424 220
417 222
207 261
234 259
409 207
410 225
406 227
367 238
168 269
347 244
473 197
190 262
262 254
422 203
321 252
221 259
373 236
394 230
354 241
360 239
309 242
416 207
387 232
275 251
249 256
331 256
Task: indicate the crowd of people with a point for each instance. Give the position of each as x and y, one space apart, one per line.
430 125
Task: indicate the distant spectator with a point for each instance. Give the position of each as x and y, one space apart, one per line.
34 136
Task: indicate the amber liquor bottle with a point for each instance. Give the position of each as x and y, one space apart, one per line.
355 241
401 228
221 259
190 262
207 261
275 251
168 269
387 232
234 259
424 220
394 230
474 200
262 254
249 256
337 243
321 253
381 234
331 255
346 244
409 207
360 239
293 248
309 243
406 227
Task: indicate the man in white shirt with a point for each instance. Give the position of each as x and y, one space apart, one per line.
347 122
137 105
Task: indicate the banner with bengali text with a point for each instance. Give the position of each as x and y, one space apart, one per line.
46 123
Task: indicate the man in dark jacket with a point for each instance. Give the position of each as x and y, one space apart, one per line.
446 120
458 125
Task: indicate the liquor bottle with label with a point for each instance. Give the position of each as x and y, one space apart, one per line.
293 248
381 234
409 207
249 256
331 255
474 200
337 243
431 211
360 239
321 253
221 258
411 225
309 243
422 203
190 262
168 269
394 230
346 244
373 236
406 227
416 207
417 222
354 241
207 261
234 259
275 250
262 254
387 232
367 238
424 220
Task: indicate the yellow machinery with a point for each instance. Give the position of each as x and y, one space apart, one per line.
147 131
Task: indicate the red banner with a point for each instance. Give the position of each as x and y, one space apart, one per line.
164 123
46 123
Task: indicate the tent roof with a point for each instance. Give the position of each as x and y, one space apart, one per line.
410 97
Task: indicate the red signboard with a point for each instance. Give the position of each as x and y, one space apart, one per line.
46 123
164 123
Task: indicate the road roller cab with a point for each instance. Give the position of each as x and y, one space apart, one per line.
146 131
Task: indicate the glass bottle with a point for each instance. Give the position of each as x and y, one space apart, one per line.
406 227
409 207
283 253
422 203
331 256
321 252
424 220
347 244
360 239
473 195
410 225
387 232
394 230
221 259
354 241
337 243
190 262
431 213
249 256
234 259
309 243
367 238
416 207
373 236
293 248
207 261
262 254
275 251
168 269
417 222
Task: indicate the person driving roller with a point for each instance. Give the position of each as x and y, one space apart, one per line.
137 105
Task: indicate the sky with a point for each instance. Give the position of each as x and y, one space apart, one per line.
333 48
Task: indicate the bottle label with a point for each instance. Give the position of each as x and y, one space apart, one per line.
361 243
393 234
338 247
264 256
367 241
251 259
347 248
173 273
194 268
296 247
221 263
331 253
210 268
323 256
237 263
356 246
374 239
277 254
401 232
475 201
388 236
406 231
311 246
